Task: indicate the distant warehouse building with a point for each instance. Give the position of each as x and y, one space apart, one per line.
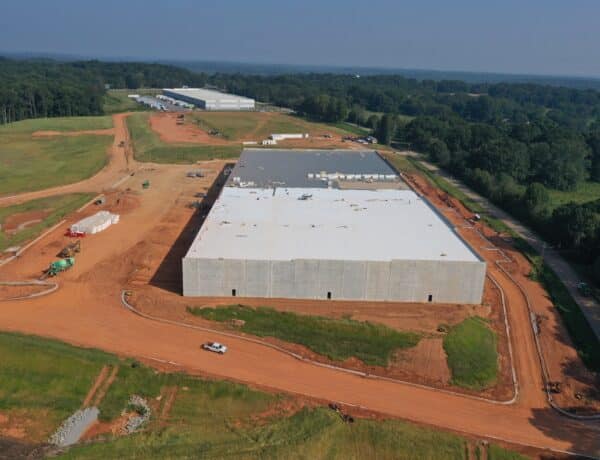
210 100
328 225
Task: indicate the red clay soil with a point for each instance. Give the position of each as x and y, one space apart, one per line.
165 125
85 132
13 292
96 385
580 387
86 311
17 222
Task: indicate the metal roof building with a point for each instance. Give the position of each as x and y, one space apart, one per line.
334 224
209 99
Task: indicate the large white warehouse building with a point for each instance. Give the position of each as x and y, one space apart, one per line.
210 100
328 225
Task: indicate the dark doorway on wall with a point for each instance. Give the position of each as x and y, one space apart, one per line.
430 298
329 295
234 293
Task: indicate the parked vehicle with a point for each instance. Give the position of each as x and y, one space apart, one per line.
215 347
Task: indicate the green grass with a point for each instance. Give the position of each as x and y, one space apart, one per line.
579 330
400 162
338 339
44 380
118 102
308 434
499 453
57 124
28 163
472 356
202 401
351 128
148 146
59 206
259 125
586 191
581 334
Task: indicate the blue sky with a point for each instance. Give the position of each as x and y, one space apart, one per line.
527 36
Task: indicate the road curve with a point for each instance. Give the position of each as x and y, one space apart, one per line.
120 163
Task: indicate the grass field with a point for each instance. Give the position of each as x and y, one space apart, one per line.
587 191
28 163
58 206
472 356
57 124
338 339
148 146
237 126
499 453
43 381
118 102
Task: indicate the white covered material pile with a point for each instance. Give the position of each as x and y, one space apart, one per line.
96 223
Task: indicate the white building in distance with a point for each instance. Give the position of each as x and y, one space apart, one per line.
209 99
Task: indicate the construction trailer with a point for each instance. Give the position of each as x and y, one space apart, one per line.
328 225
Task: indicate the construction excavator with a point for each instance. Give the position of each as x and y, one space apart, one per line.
70 249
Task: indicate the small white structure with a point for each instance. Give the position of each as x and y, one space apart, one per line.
268 142
133 96
282 137
96 223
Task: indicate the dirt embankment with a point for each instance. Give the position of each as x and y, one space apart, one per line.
579 387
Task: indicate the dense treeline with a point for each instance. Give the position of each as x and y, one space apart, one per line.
512 142
44 88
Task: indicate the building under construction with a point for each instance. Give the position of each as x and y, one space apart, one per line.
328 224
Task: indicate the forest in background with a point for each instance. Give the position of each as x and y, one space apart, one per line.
516 143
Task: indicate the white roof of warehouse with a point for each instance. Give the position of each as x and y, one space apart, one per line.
377 225
207 94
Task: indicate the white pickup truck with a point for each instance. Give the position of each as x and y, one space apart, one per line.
215 347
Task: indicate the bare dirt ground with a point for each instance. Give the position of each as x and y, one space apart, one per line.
8 292
86 311
165 125
85 132
580 388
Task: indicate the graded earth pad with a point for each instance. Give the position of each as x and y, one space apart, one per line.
89 300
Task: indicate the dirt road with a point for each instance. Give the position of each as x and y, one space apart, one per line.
553 259
87 311
120 163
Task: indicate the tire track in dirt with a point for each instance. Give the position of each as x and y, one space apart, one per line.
97 383
105 386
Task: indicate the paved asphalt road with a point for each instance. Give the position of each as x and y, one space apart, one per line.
563 270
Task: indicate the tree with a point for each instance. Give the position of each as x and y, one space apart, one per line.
537 201
385 129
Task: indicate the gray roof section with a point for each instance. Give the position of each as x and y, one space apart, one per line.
265 168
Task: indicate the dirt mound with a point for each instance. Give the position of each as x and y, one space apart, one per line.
427 361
